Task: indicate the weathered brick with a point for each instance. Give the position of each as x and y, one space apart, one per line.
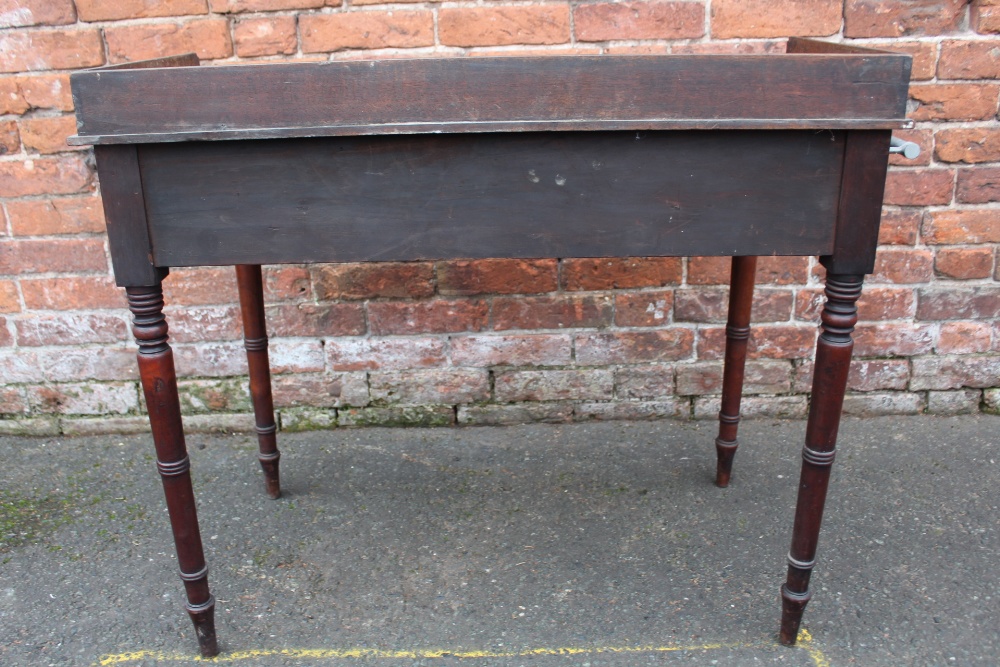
644 309
903 339
644 382
114 10
316 320
525 350
269 36
922 138
219 359
334 390
761 377
67 174
934 303
925 56
964 337
504 25
12 400
864 375
68 364
208 37
204 323
953 101
47 217
224 395
963 59
6 339
762 18
883 303
71 328
369 281
91 398
23 13
752 407
978 185
52 256
44 426
358 354
497 276
34 50
551 312
72 293
991 401
632 410
235 6
522 413
658 19
45 91
10 141
48 135
10 302
553 385
366 30
896 18
11 99
770 270
199 286
620 273
430 387
766 342
964 263
629 347
436 316
961 226
903 265
955 372
743 47
971 145
287 283
963 402
899 227
405 415
712 305
985 16
876 404
919 187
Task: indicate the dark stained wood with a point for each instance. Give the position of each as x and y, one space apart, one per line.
806 45
182 60
833 360
491 94
125 213
251 288
737 337
159 385
461 196
866 161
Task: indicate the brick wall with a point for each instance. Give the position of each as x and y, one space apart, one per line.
495 341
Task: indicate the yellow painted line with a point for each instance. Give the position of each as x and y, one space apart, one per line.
805 642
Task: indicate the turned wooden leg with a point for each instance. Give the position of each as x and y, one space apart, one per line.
251 287
833 359
159 383
737 336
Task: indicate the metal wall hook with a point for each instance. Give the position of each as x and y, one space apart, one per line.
907 149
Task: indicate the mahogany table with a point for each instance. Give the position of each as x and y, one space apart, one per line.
531 157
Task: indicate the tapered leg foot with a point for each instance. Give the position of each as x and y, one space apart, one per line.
792 607
272 481
203 617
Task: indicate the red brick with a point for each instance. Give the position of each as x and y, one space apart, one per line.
658 19
366 30
497 276
6 340
902 339
712 305
368 281
503 25
924 139
962 59
234 6
10 141
919 187
287 283
964 263
113 10
766 342
899 227
48 135
925 58
22 13
208 37
551 312
437 316
896 18
964 338
84 399
876 374
956 227
903 265
68 364
316 320
200 286
11 99
45 176
975 303
45 217
72 329
978 185
972 145
430 387
46 91
985 16
761 377
584 384
955 372
12 400
620 273
33 50
269 36
954 101
52 256
644 309
10 302
756 47
361 354
770 270
763 18
527 350
327 390
72 293
205 323
648 381
629 347
876 303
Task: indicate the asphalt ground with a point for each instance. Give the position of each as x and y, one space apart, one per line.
544 545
